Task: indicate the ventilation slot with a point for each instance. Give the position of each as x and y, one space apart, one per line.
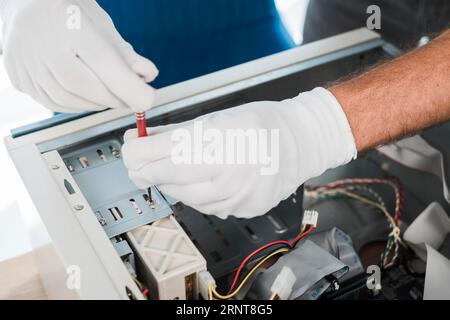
222 238
251 233
84 162
135 206
116 214
101 155
279 225
69 187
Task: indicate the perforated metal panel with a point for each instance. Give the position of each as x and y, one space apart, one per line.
118 204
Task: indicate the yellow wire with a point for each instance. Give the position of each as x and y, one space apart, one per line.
210 292
395 233
138 283
228 296
395 229
357 197
303 227
375 204
273 296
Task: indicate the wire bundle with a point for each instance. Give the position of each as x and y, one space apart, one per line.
346 188
285 247
145 292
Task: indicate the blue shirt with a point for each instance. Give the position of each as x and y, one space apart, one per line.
189 38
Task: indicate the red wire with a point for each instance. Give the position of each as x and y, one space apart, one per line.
287 243
238 271
300 236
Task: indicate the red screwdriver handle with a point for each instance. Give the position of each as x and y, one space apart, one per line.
141 124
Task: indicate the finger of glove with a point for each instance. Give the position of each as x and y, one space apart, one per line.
140 152
33 90
221 208
167 172
75 76
104 60
140 65
44 99
195 194
37 93
61 96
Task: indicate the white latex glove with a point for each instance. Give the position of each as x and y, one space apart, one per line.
314 135
71 69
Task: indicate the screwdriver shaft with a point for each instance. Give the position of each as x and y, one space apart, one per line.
141 126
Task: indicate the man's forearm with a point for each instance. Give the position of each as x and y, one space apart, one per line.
398 98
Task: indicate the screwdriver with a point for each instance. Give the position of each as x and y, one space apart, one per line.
141 126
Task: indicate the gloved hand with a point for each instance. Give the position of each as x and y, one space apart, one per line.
307 134
68 56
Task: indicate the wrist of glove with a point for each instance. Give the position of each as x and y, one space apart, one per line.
321 131
67 55
297 139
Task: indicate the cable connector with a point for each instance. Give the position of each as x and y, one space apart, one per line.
205 280
310 217
283 284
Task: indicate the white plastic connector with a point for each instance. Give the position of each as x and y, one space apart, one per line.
310 217
205 279
284 283
170 262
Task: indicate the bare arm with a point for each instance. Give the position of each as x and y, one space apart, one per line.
398 98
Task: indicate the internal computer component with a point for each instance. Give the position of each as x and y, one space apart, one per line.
225 243
118 204
167 260
315 270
